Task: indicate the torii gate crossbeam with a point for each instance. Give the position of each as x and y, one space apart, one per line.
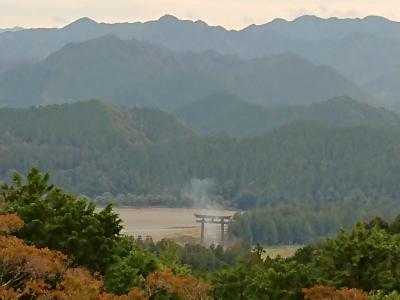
209 219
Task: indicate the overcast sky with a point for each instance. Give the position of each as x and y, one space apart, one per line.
228 13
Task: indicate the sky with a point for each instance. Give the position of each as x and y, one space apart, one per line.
232 14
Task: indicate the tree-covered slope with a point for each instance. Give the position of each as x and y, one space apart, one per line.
91 140
94 123
298 161
93 148
224 113
138 73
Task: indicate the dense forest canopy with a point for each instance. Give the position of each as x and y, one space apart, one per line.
93 148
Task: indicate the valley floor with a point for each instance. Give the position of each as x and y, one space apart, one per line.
178 224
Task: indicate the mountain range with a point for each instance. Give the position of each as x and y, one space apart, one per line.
364 50
139 73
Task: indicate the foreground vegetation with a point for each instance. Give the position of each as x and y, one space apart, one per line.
56 246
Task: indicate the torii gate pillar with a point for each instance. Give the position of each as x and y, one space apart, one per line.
203 219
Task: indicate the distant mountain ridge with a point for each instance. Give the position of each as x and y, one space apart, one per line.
139 73
232 116
200 35
332 28
363 50
17 28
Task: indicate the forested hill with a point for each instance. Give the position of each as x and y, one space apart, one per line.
93 148
94 124
227 114
138 73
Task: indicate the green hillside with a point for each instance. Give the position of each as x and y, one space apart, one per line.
77 139
95 124
93 148
224 113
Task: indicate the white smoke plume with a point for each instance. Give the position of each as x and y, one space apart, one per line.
200 192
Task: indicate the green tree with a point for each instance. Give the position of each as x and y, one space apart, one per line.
131 271
59 220
380 295
259 278
368 259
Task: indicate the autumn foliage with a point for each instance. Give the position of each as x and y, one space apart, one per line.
21 264
10 223
29 272
32 273
331 293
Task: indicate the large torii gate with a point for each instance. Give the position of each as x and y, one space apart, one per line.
203 219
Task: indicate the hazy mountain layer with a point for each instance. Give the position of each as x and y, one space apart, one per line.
138 73
387 88
232 116
197 36
361 49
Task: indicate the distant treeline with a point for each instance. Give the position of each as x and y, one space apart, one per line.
308 221
141 200
163 200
